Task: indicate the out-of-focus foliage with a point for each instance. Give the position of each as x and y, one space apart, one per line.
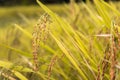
74 42
33 2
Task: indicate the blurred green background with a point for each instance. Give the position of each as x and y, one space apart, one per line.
73 33
14 11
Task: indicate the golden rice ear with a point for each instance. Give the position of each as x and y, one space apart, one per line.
39 35
52 62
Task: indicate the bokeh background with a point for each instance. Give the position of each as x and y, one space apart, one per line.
33 2
78 42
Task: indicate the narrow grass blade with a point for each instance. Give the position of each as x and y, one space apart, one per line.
103 12
17 50
69 57
24 31
5 64
19 75
112 8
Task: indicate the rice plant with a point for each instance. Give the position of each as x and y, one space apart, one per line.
83 43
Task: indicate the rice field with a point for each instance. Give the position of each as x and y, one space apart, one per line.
76 41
